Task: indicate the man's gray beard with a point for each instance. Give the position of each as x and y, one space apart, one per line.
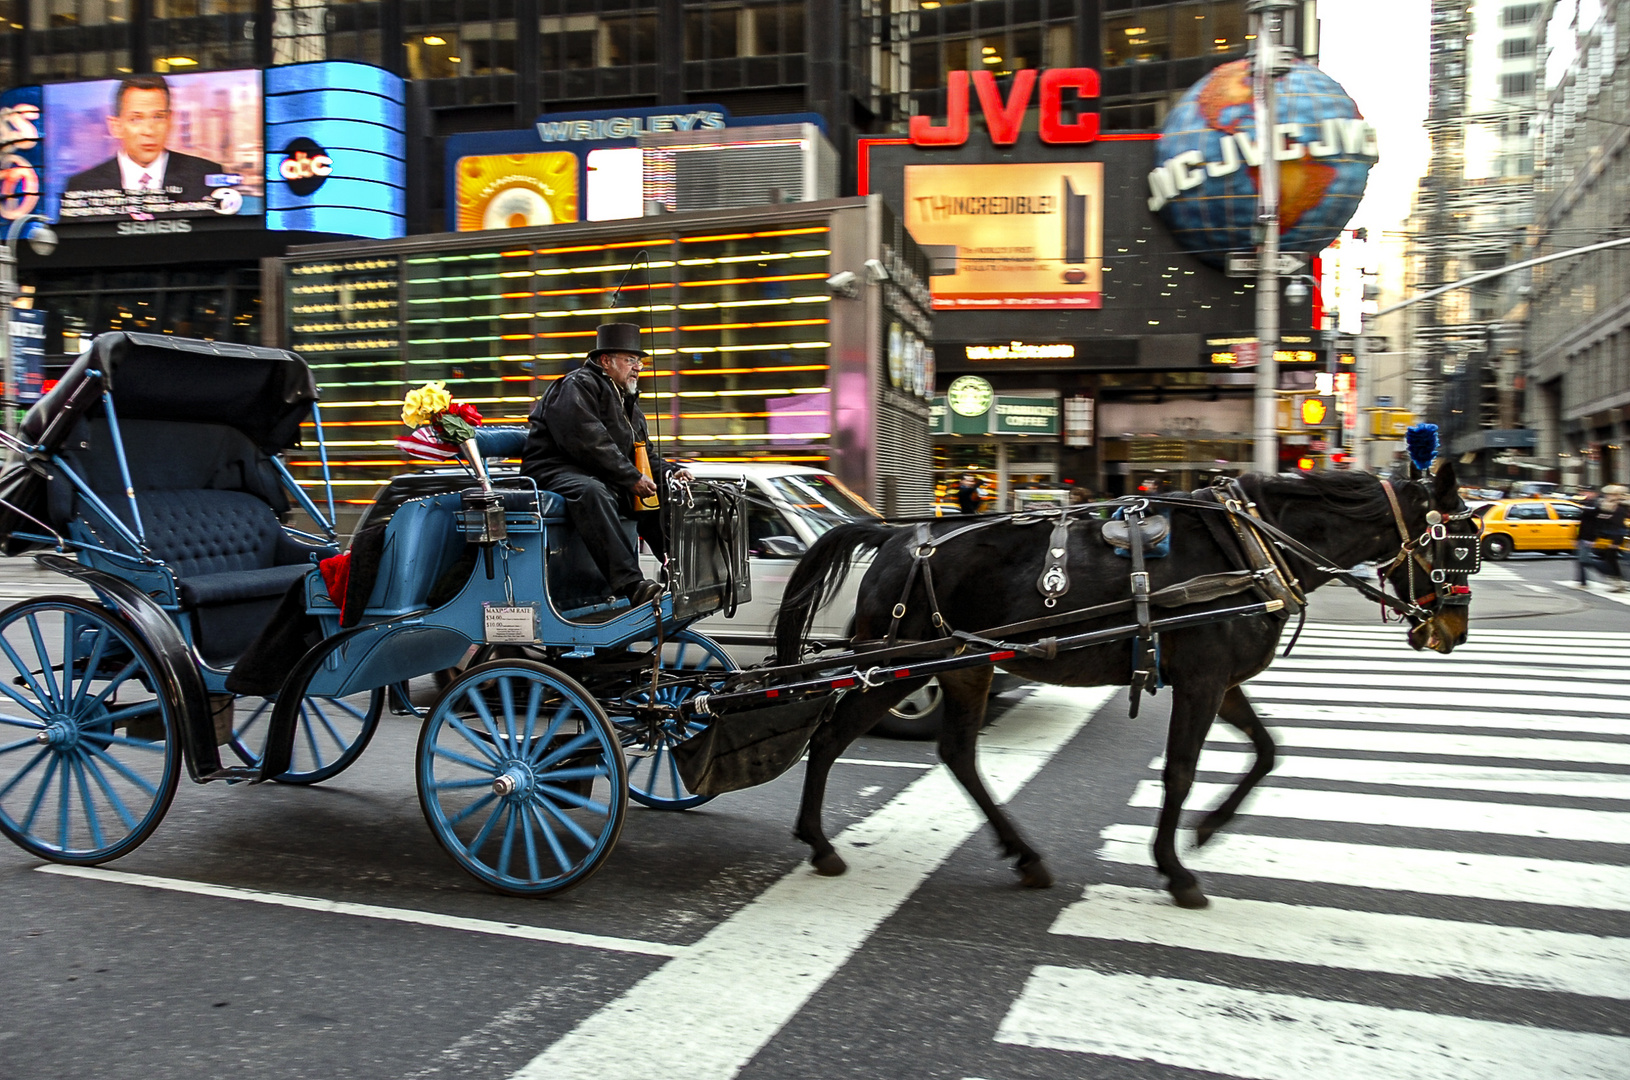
632 386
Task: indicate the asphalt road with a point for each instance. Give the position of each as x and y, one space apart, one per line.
1434 884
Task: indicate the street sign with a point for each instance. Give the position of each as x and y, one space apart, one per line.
1246 263
1245 354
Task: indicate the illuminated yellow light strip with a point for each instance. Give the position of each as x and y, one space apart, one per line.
753 325
609 268
805 435
754 370
753 235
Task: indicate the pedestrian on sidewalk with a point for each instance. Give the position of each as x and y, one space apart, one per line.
1604 523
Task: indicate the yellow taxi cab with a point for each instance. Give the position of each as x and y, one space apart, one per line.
1535 524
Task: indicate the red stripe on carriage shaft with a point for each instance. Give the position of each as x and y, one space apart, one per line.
772 693
839 684
1008 655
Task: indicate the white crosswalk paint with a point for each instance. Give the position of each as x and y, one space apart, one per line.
1266 1036
1412 812
1442 671
1387 714
1439 744
716 1006
1507 878
1564 782
1305 689
1358 940
1404 683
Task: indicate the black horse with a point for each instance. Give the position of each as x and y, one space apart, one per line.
988 577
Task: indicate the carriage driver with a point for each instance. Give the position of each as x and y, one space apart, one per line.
587 435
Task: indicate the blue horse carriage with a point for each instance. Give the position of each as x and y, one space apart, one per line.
158 464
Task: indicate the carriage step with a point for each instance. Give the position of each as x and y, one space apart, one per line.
234 774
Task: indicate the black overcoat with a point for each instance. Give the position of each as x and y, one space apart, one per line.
585 422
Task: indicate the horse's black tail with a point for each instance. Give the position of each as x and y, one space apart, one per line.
816 579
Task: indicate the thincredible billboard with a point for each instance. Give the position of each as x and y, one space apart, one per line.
311 147
1025 235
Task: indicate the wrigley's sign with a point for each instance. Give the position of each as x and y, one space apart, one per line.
628 127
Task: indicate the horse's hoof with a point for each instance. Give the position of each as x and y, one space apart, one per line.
1190 896
1035 876
829 865
1204 833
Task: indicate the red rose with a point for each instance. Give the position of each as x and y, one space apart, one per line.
465 412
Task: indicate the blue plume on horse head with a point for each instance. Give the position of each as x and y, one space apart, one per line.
1422 441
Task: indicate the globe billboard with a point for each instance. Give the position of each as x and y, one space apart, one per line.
1205 181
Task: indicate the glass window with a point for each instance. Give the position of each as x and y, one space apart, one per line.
1527 512
762 522
1227 26
712 34
631 40
1142 38
434 54
1024 49
822 502
777 28
1568 511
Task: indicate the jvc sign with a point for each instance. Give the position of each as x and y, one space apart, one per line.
1004 118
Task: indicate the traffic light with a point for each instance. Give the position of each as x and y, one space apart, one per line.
1316 411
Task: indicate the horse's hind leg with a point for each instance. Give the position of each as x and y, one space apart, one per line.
1236 709
1193 708
854 716
966 695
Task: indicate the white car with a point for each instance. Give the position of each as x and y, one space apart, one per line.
788 507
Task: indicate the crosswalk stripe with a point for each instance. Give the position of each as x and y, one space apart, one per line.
1563 782
1375 714
1547 960
1398 680
1506 878
1269 1036
1458 699
1411 812
1441 670
1441 745
1347 631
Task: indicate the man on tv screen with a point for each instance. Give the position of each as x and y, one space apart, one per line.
141 122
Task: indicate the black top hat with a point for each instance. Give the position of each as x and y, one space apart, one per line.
623 337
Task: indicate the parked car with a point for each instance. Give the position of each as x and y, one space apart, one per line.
792 506
1513 525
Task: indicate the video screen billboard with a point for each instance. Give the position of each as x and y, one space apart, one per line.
154 147
514 191
1027 236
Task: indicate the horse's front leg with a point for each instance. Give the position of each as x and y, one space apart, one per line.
1236 709
1193 708
854 716
966 696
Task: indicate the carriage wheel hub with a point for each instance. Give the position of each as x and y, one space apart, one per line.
61 733
514 781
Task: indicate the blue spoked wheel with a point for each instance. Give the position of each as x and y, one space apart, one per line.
89 752
521 777
330 734
692 663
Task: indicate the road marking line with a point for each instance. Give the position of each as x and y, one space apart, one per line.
1538 588
1286 690
1346 631
886 764
1490 778
1446 680
373 911
753 972
1440 744
1373 714
1411 812
1547 960
1442 670
1508 878
1267 1036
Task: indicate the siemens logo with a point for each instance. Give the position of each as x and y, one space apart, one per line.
147 228
627 127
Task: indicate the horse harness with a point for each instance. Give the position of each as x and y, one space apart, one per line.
1257 547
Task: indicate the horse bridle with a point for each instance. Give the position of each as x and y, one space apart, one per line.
1455 556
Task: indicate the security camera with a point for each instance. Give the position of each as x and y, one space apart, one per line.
876 272
43 239
843 283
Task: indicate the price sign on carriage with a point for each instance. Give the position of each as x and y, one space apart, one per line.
510 624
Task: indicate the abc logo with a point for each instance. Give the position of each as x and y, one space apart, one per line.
305 166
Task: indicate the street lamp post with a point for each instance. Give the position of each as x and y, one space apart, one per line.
43 239
1265 20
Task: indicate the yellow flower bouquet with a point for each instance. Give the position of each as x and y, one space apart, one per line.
439 423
